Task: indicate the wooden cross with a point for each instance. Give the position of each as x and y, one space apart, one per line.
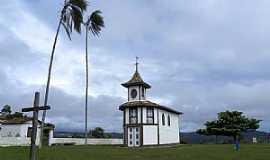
35 109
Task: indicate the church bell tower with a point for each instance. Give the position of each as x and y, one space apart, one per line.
136 86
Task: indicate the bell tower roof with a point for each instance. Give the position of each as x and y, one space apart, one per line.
136 79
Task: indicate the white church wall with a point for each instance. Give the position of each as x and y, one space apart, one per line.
155 115
144 115
169 134
142 93
139 114
150 136
139 93
127 115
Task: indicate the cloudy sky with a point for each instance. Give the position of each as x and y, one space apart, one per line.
201 57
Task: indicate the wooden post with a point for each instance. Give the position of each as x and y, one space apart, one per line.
33 148
35 109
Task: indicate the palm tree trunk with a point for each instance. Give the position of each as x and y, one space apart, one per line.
86 80
48 82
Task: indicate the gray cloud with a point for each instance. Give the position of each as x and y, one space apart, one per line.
200 58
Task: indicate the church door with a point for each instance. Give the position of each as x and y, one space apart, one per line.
134 137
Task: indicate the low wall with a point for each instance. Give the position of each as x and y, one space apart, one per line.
14 141
19 141
80 141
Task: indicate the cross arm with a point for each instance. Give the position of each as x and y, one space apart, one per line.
36 108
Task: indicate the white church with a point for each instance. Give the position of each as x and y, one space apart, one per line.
144 122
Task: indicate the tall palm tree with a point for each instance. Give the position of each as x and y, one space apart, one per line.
94 24
71 18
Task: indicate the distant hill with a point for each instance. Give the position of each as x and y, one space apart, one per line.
194 138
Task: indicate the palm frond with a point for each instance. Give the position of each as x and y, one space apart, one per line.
77 18
95 22
73 15
82 4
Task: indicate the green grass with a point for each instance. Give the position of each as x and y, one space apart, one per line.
184 152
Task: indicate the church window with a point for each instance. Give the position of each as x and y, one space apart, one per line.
169 120
133 115
150 115
163 119
133 93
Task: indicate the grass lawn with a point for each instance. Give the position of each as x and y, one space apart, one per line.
184 152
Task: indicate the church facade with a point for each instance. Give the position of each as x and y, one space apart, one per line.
145 122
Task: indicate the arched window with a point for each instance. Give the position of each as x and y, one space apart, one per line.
163 119
169 120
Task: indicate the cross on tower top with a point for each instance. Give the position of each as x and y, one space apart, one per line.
136 79
137 58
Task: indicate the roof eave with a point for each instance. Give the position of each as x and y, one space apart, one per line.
125 105
136 84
